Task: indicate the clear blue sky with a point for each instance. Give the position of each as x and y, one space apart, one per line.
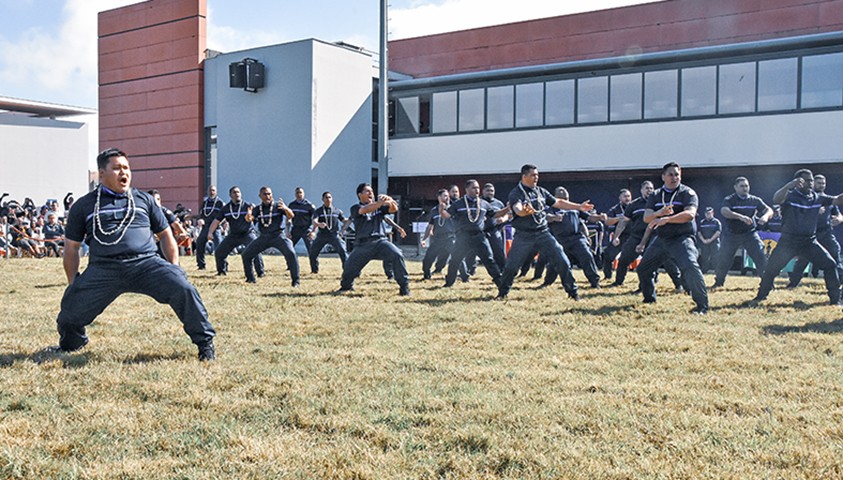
48 47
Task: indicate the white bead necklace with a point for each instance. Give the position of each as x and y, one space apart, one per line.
205 212
671 197
468 210
261 215
329 217
122 228
539 199
235 217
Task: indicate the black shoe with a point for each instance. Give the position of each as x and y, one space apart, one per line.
296 283
261 274
200 267
314 272
404 291
542 286
344 290
500 297
715 286
649 300
447 285
58 349
574 296
438 270
791 286
700 311
206 351
596 286
755 302
251 280
426 276
221 274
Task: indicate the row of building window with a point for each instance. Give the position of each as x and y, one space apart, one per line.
775 85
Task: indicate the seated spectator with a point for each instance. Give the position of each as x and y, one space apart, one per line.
22 237
53 234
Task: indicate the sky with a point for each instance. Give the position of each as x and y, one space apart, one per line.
48 48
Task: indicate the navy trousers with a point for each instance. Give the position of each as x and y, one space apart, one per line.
753 246
681 250
576 247
258 245
789 247
609 255
498 249
319 243
300 233
439 251
629 254
229 243
829 242
467 246
202 242
524 246
105 280
371 249
709 255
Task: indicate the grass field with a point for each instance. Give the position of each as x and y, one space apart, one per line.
443 384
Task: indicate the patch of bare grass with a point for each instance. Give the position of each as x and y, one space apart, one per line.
443 384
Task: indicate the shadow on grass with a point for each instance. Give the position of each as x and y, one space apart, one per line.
602 311
817 327
68 360
438 302
292 294
54 285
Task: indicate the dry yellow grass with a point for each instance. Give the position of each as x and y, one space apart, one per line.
444 384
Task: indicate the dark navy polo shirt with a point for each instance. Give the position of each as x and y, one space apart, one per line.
634 214
570 223
210 207
800 212
368 225
490 222
441 226
477 208
539 198
681 198
616 212
749 206
303 211
138 238
330 215
269 219
708 227
235 215
774 224
824 221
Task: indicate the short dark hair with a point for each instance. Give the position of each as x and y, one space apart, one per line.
487 185
561 189
525 169
299 188
670 165
624 190
325 193
803 171
741 179
231 190
645 182
470 181
105 156
361 187
441 191
263 188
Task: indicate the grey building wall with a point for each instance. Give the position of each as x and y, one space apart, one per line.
310 126
42 158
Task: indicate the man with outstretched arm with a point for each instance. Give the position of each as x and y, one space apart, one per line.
528 201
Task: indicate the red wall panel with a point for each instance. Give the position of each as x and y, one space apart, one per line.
150 76
659 26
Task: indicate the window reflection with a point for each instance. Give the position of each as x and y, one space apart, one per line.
500 103
471 111
593 100
626 97
737 88
444 112
699 91
559 102
529 105
661 94
822 80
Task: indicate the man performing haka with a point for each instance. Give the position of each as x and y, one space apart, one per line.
567 229
211 205
327 223
613 220
672 210
442 232
270 218
829 217
238 214
300 226
527 201
119 223
370 241
800 210
470 214
740 210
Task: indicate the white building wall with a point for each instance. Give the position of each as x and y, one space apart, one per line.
756 140
310 125
42 158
